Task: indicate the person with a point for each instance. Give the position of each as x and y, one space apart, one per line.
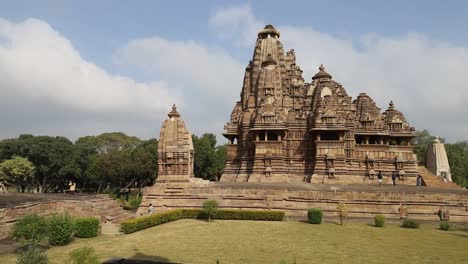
419 180
394 175
150 209
403 210
380 178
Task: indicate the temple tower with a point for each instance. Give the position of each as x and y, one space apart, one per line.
175 150
437 161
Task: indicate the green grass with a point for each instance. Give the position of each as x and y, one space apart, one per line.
193 241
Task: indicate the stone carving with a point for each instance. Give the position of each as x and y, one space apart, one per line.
175 150
276 102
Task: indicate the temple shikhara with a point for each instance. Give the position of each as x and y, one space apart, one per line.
284 129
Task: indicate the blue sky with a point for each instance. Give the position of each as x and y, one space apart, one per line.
193 53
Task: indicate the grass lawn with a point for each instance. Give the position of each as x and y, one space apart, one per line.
193 241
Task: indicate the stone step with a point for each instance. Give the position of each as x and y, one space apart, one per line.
110 229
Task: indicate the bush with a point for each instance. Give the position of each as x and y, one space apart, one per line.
60 229
83 255
314 216
409 223
379 220
144 222
210 207
445 225
30 229
86 227
32 254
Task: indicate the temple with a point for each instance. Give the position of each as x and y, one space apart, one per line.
175 150
437 161
286 130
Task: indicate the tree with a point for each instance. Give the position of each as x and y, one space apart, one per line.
17 171
209 159
342 212
210 207
421 141
457 154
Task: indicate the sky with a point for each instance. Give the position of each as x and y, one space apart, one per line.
77 68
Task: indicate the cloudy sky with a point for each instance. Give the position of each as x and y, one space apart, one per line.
76 68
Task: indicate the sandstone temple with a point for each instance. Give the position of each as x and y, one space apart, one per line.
295 145
284 129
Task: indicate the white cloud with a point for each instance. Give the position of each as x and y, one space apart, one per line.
43 76
209 77
426 78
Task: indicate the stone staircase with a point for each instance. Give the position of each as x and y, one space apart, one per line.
110 210
431 180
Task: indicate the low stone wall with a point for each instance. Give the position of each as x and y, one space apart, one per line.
89 206
362 201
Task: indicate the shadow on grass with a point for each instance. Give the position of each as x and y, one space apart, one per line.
140 258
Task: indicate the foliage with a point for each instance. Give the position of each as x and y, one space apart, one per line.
409 223
209 159
379 221
60 229
314 216
445 225
86 227
83 255
32 254
137 224
210 207
30 229
342 212
16 171
457 154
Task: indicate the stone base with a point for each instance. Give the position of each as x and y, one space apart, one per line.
363 201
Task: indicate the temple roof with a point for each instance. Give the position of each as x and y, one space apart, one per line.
322 73
268 29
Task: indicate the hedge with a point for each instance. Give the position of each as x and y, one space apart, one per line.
86 227
314 216
137 224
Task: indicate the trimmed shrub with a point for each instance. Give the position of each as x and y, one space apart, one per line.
137 224
83 255
60 229
144 222
86 227
379 220
314 216
256 215
409 223
32 254
210 207
445 225
30 229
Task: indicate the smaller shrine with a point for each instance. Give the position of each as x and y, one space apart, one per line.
437 161
175 150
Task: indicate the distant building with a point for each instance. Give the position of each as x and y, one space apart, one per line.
286 130
437 161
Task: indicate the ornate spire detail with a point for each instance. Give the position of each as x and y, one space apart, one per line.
174 112
391 105
268 30
322 73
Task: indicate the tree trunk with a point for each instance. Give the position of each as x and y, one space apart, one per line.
100 186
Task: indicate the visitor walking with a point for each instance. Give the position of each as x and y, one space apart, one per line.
380 178
394 175
150 209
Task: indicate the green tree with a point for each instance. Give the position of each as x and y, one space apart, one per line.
17 171
210 207
209 159
457 154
